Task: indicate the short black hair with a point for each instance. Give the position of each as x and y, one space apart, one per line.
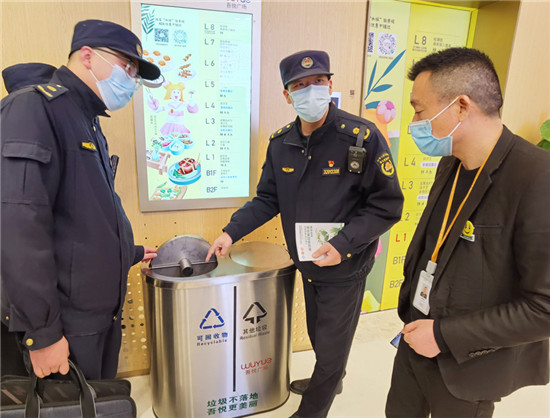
456 71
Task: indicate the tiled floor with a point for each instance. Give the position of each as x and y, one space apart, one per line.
367 380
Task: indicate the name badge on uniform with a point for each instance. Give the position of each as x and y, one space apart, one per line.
90 146
421 299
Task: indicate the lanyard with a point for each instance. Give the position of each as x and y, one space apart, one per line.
443 233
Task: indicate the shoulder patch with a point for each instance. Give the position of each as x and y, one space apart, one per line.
281 131
385 164
50 90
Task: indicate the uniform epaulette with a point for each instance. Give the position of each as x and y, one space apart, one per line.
50 90
281 131
351 128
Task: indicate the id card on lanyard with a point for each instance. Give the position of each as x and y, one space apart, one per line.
421 299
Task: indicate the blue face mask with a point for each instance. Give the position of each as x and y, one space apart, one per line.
311 103
421 132
117 90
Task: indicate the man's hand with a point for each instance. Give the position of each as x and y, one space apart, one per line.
149 254
220 246
420 337
332 258
51 359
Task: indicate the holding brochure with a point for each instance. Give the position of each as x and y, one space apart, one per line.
311 236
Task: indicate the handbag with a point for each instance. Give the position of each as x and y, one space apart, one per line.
30 397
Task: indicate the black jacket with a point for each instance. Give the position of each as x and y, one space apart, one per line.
309 181
67 244
491 293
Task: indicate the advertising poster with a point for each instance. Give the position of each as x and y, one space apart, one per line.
401 33
196 119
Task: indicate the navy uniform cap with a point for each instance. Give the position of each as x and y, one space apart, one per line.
94 33
304 64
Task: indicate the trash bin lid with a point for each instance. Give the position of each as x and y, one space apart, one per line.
258 254
183 256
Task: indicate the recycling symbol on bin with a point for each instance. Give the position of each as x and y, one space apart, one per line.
214 321
255 313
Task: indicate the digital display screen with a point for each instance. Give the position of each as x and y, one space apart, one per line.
195 140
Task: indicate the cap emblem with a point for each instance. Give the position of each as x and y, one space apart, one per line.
307 62
138 49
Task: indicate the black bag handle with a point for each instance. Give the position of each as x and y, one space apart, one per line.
87 395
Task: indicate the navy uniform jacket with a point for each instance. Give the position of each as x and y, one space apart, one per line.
311 183
67 244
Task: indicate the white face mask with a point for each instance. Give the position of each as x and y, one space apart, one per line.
311 103
117 90
421 132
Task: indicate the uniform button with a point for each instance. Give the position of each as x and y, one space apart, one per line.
7 318
309 158
29 342
349 255
303 151
93 127
355 131
114 318
343 126
309 280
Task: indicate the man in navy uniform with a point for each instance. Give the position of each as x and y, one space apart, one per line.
67 244
315 172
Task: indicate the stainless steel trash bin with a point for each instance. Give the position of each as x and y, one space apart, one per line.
220 333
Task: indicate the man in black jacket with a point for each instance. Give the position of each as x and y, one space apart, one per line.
67 244
476 296
315 172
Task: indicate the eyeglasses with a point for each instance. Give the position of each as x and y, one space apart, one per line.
130 67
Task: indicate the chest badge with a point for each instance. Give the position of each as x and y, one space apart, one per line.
468 232
288 170
90 146
386 165
331 170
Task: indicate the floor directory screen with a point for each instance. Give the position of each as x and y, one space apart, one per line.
194 124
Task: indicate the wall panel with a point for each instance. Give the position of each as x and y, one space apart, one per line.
527 94
41 32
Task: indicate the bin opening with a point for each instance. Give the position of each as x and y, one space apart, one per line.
185 268
183 257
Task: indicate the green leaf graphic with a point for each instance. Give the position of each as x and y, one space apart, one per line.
372 77
147 18
322 236
393 63
372 105
382 87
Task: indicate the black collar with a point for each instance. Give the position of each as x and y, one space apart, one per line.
298 138
84 96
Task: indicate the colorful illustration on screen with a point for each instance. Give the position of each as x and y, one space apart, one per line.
381 112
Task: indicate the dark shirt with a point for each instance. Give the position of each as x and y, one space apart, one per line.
465 179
